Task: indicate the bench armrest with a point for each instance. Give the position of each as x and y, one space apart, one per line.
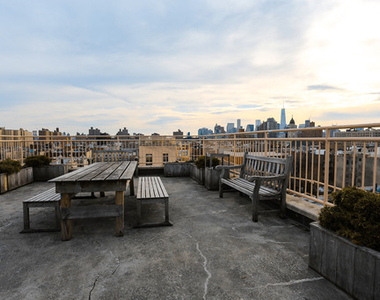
228 167
255 178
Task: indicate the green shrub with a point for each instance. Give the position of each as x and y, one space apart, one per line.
9 166
200 162
37 161
356 215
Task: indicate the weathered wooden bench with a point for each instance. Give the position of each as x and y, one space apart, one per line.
261 178
152 190
48 198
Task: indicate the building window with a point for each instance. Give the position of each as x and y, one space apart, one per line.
165 157
149 159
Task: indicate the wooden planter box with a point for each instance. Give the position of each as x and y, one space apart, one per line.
49 172
13 181
212 179
197 174
3 183
176 169
353 268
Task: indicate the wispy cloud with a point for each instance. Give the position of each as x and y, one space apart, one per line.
322 87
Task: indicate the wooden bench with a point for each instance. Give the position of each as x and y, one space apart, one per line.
48 198
261 178
151 190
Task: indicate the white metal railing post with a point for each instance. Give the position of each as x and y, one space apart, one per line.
266 143
235 149
327 169
71 152
203 146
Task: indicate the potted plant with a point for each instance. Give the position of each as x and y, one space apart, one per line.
345 245
12 175
42 169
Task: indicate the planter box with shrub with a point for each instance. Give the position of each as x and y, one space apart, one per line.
42 170
345 246
207 176
13 176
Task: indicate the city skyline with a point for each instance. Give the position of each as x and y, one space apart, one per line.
229 128
160 66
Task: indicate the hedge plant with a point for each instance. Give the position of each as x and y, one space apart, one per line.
9 166
200 162
356 215
37 161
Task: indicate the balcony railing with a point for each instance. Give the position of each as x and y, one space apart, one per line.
322 162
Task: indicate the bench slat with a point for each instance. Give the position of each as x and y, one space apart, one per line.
162 188
249 186
155 188
47 196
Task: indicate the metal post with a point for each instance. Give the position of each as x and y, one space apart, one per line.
327 163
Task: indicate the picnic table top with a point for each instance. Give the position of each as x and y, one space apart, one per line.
100 172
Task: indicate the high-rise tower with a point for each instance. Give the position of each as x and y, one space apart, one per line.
283 119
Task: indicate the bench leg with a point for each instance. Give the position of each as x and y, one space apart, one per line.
255 201
26 216
58 215
220 189
138 213
255 209
167 212
102 194
283 206
120 220
66 225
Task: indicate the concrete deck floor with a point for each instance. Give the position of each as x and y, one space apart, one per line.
213 251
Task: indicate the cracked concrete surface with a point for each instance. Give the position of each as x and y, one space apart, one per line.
213 251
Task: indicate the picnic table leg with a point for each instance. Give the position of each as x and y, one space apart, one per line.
66 225
26 216
119 196
131 187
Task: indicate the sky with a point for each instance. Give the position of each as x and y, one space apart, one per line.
159 66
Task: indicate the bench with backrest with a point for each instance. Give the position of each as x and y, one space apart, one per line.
48 198
152 190
261 178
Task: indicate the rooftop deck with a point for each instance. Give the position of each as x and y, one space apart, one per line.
213 251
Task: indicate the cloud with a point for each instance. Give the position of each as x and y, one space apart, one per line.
164 120
322 87
249 106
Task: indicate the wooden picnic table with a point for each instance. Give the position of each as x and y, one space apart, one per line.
97 177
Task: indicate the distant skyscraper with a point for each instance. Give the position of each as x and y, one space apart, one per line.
283 119
238 125
230 128
218 129
307 123
257 123
249 128
204 131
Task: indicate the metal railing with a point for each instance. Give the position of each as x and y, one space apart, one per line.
322 163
